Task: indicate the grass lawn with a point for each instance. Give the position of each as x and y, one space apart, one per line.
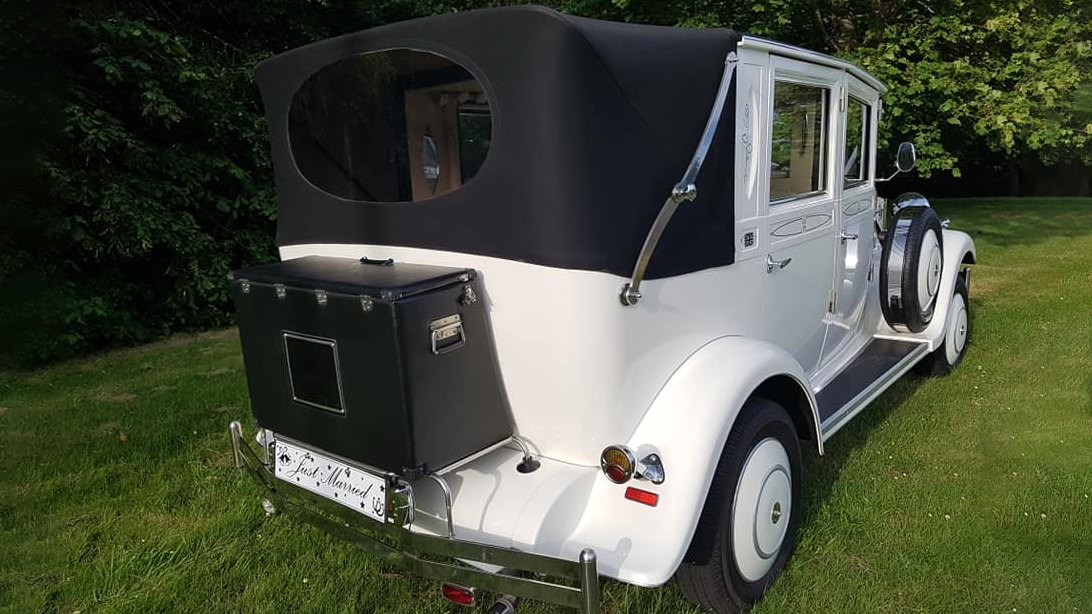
971 493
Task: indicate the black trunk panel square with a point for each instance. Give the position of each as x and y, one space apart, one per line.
314 371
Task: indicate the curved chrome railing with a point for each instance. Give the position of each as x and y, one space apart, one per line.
686 189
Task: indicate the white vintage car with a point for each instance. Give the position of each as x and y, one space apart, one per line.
563 299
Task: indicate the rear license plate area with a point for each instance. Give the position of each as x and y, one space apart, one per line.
331 478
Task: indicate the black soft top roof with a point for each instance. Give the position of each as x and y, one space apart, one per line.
593 123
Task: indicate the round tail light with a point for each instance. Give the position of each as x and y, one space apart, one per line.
618 463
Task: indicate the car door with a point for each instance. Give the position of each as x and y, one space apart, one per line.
800 205
855 247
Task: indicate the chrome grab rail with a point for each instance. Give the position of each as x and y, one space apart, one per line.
686 189
236 430
447 502
408 549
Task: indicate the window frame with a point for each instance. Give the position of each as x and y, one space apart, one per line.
455 59
787 70
864 177
870 96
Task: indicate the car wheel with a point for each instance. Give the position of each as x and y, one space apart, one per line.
747 529
910 269
956 336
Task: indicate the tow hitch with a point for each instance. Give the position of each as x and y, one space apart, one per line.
504 605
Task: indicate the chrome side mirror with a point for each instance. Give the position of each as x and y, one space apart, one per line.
906 158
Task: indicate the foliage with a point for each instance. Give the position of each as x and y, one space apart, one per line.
1004 78
971 81
135 171
153 182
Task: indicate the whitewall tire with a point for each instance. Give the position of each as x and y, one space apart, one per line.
748 527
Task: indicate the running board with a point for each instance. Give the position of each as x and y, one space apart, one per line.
880 364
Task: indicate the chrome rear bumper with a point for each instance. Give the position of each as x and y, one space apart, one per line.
578 585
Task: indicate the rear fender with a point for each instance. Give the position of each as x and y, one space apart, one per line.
687 426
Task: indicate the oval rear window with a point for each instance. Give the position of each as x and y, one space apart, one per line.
390 126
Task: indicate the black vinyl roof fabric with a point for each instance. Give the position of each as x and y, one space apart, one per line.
593 122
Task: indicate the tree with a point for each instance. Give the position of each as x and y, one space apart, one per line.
135 168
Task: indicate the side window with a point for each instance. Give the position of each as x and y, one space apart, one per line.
798 140
855 168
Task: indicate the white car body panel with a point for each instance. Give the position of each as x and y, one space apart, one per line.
561 508
687 425
670 373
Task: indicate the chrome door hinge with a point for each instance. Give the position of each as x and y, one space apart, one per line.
842 98
833 301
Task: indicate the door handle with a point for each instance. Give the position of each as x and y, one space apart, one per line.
847 236
772 265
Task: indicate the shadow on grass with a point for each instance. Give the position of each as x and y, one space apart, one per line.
822 472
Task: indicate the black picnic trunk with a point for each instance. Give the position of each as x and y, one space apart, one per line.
388 364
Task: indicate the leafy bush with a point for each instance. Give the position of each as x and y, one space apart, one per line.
134 166
154 183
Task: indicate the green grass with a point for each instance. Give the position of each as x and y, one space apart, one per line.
971 493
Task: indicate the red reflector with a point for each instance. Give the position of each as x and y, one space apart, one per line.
615 473
457 594
642 496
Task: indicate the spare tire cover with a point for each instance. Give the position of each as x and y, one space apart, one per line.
910 269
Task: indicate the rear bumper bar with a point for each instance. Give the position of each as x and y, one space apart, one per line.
413 552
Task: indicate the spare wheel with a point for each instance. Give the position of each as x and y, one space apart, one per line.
910 268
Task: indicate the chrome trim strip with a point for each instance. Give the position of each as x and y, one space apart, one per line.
408 549
764 44
684 190
847 412
473 457
803 196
